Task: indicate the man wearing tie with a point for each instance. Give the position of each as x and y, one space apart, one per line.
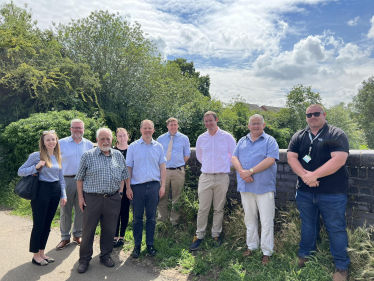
177 151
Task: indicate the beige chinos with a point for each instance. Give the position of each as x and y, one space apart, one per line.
212 187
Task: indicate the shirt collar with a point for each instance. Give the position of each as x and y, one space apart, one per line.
142 141
175 135
262 136
72 140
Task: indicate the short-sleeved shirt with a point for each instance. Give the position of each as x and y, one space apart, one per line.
145 160
215 152
101 173
180 148
330 139
71 153
251 154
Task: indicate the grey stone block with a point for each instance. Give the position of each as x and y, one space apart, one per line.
365 191
367 158
370 172
354 158
280 167
283 155
365 183
287 168
363 215
353 190
353 172
362 173
364 208
292 177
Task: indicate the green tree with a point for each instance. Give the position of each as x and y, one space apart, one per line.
188 69
364 109
298 100
34 74
21 138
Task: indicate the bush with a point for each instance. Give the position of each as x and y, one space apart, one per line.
21 138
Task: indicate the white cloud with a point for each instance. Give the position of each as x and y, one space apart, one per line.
353 22
371 31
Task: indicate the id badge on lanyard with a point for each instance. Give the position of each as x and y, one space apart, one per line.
307 158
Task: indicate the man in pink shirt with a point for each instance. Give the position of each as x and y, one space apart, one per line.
214 149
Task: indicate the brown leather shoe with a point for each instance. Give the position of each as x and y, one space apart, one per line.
340 275
301 261
83 266
62 244
108 262
247 253
265 260
77 240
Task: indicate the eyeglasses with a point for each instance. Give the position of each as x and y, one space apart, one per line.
77 128
49 132
316 114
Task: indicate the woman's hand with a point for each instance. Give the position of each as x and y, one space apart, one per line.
40 164
63 202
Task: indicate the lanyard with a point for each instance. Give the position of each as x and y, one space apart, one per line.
312 140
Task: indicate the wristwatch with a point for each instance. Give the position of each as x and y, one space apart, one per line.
120 193
251 169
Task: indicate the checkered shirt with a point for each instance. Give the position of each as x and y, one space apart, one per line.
100 173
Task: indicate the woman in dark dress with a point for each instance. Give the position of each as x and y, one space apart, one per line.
123 219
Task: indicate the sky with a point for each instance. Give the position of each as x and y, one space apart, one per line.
257 49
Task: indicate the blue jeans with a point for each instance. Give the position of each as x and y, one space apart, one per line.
145 195
332 209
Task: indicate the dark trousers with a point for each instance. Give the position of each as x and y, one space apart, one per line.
123 218
43 207
145 195
104 210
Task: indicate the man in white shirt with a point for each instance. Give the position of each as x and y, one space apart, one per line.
214 150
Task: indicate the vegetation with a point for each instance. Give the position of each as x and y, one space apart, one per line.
226 262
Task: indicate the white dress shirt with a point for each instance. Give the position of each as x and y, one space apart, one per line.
215 152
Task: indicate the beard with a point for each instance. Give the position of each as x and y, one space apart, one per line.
105 149
77 135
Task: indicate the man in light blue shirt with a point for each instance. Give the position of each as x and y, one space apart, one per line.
72 149
176 151
254 160
146 165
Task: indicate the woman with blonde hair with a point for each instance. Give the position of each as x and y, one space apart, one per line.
121 145
51 188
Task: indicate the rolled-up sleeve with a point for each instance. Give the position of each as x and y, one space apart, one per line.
28 168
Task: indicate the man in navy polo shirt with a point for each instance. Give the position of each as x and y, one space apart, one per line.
317 154
254 160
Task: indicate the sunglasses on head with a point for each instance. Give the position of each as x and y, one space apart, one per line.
49 132
316 114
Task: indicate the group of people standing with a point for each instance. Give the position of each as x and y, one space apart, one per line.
101 182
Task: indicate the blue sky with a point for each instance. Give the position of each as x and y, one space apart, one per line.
256 49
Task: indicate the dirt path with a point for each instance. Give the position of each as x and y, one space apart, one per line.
16 263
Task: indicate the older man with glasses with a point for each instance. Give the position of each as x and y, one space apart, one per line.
72 149
317 154
254 160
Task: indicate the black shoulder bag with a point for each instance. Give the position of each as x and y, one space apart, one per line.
27 187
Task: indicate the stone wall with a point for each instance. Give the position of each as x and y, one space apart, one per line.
360 164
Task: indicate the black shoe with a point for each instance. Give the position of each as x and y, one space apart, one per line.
83 266
43 262
108 262
151 250
119 243
115 241
195 243
136 252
